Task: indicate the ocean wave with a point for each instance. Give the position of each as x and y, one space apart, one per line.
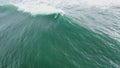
81 38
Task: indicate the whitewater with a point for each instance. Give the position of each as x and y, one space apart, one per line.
59 34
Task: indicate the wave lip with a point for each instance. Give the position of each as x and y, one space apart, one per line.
35 9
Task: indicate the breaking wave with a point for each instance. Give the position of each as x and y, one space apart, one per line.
43 36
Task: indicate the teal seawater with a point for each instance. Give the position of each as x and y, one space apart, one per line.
47 41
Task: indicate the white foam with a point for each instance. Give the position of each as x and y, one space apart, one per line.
49 6
35 9
102 2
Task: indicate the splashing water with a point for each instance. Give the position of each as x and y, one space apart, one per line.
59 34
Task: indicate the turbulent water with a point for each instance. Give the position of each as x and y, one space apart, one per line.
59 34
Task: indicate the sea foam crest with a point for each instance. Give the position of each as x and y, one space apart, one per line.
35 9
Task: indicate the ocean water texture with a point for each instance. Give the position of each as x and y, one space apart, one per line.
65 35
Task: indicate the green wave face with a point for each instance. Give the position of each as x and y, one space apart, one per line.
52 41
